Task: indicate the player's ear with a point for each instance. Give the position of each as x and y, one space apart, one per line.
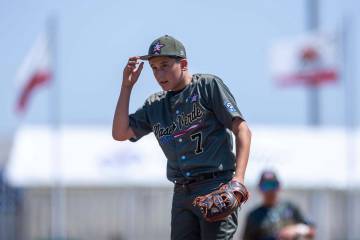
184 64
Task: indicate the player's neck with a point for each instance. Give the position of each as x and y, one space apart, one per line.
270 203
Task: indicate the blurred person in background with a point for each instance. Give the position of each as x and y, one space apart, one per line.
275 219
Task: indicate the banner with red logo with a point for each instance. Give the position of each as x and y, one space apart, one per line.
310 60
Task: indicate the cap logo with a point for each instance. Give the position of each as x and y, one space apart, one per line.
157 47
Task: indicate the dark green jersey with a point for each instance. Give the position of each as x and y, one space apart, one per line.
192 126
264 223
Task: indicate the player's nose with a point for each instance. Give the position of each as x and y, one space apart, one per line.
160 75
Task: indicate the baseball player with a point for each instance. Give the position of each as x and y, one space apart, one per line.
193 119
275 219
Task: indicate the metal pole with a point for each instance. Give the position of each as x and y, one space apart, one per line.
348 62
57 190
312 24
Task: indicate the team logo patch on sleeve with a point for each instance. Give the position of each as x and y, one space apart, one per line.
229 106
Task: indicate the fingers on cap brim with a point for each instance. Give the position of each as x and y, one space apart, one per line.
145 57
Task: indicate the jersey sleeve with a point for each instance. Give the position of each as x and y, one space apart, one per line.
223 103
139 123
297 215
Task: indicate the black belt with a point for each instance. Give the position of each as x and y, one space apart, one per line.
204 176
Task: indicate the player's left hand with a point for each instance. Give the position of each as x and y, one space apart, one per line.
219 204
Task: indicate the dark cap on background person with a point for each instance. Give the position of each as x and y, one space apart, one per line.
165 46
269 181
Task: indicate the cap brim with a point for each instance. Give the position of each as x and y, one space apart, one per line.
269 186
268 189
145 57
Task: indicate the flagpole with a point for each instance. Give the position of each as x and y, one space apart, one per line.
348 41
312 24
57 189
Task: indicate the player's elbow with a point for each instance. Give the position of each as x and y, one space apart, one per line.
118 136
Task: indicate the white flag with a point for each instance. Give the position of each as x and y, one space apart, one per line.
309 60
34 72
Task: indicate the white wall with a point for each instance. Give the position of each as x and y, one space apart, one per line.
144 213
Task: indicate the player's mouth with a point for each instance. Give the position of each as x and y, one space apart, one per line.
163 82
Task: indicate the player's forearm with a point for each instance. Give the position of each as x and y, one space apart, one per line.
242 140
297 231
121 117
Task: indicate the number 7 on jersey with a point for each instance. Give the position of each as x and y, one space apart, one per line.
198 137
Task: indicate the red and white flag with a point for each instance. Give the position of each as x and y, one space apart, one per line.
34 72
309 60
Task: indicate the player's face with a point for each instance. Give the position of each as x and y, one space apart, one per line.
168 72
270 197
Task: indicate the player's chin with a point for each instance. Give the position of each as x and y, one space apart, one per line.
165 87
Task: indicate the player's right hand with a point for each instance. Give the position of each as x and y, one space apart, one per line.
132 71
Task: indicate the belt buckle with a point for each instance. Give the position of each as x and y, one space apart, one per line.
210 175
201 178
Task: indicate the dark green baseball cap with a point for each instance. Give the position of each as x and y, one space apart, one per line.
165 46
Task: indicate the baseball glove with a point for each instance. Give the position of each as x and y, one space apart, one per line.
219 204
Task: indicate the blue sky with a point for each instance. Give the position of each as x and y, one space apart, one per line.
228 38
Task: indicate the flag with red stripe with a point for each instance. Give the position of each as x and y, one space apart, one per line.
34 72
310 60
